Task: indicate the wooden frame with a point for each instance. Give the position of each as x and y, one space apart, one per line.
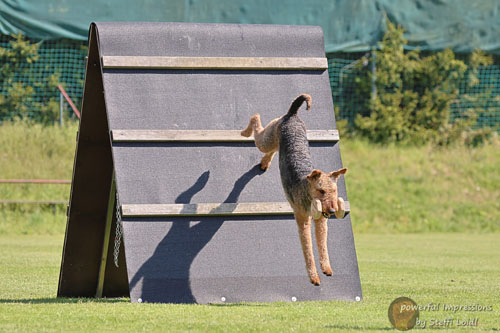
205 136
210 209
232 63
107 232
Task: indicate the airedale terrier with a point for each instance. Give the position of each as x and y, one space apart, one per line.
310 192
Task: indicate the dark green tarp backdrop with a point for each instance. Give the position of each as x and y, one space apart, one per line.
348 25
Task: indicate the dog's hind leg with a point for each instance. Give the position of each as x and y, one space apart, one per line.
304 224
266 138
321 230
254 125
265 163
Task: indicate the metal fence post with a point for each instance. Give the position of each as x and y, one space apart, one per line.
61 107
374 73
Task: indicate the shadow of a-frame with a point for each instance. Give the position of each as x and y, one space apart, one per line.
181 245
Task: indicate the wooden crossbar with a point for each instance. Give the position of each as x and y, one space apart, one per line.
205 136
35 181
211 209
231 63
34 202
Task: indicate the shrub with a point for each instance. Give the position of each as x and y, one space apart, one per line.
413 93
18 98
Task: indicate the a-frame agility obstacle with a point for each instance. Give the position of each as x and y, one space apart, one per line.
159 144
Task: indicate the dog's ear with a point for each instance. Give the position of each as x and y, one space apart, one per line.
314 175
336 174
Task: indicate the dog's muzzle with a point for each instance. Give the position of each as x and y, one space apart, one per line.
317 211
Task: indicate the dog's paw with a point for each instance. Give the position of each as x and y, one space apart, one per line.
264 166
247 132
328 271
315 280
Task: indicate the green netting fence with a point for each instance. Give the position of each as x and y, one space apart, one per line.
64 60
481 98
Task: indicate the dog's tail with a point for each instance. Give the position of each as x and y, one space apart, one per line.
298 102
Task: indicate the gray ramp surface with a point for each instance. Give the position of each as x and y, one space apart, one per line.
211 259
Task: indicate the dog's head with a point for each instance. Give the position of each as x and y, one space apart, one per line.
323 188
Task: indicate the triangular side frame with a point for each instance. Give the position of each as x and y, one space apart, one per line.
91 191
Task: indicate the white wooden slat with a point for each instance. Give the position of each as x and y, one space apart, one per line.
232 63
210 209
205 136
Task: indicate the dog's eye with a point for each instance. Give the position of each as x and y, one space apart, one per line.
322 192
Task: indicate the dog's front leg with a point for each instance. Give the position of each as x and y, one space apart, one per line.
304 225
321 230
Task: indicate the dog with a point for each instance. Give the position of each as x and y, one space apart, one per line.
312 194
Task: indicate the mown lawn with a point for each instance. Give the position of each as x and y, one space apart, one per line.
392 189
399 196
451 268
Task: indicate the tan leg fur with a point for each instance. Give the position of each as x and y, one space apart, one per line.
304 225
266 138
321 230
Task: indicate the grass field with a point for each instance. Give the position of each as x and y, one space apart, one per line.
453 269
392 189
